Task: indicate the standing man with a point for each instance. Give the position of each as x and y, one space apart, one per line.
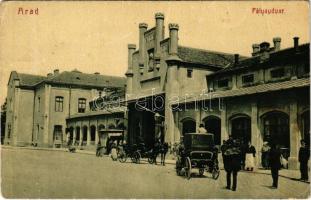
304 156
231 159
275 164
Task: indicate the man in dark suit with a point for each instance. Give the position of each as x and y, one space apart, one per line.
232 159
304 156
275 163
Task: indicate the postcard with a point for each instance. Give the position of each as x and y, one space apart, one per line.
155 99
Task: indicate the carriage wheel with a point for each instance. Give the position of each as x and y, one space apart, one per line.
137 157
133 158
201 171
188 168
215 173
122 157
177 167
150 160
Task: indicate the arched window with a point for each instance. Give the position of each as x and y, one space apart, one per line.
188 126
77 133
213 125
93 133
84 133
241 128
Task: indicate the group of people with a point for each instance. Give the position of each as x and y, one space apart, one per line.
233 155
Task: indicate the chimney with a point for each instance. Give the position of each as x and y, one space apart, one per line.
56 72
97 73
264 46
255 49
296 43
142 45
173 49
236 59
49 75
131 49
277 43
159 36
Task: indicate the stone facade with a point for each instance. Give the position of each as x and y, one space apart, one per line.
247 97
38 106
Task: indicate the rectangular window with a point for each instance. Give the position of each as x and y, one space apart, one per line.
59 104
223 83
81 105
248 78
189 73
277 73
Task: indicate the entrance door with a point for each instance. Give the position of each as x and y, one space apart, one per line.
188 126
213 125
276 129
241 128
58 135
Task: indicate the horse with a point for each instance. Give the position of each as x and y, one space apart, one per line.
163 151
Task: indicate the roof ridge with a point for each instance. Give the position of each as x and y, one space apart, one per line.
210 51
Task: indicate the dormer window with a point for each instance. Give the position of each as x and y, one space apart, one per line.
277 73
247 79
223 83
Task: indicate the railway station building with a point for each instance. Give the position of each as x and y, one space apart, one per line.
171 89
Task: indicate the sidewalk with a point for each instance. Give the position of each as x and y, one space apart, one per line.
49 149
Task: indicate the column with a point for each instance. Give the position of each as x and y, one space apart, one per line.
224 124
255 133
47 137
96 135
197 119
74 136
171 85
14 132
294 136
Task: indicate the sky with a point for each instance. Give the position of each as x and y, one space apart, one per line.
93 36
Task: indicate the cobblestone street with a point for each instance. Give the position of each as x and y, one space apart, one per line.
57 174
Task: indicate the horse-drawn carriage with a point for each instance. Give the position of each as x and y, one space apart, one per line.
197 150
136 152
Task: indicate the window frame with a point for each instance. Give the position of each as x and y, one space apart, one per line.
224 79
245 76
277 71
81 105
59 104
189 73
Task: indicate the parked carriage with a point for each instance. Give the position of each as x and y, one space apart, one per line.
136 152
197 151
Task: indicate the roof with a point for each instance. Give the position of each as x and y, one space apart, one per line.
98 113
205 57
70 78
27 79
276 57
267 87
77 78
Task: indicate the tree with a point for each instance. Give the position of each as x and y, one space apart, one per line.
3 119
